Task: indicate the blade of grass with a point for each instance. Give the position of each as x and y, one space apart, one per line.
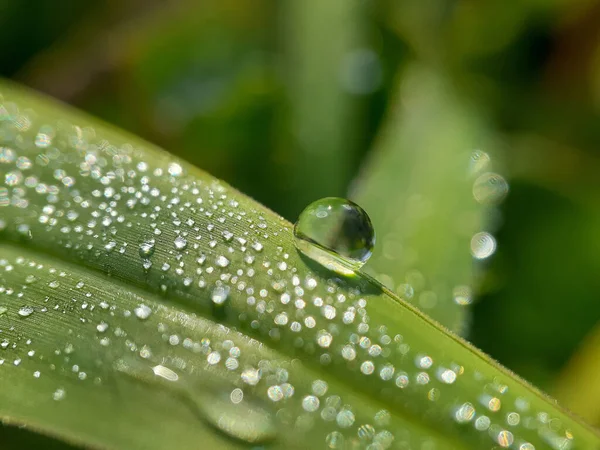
84 202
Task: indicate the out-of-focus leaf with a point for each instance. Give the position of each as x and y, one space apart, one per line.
146 304
578 385
546 283
428 190
199 78
326 69
544 275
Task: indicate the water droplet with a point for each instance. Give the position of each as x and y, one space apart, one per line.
59 394
490 188
175 169
222 261
483 245
335 439
165 373
310 403
251 377
180 243
345 418
147 249
462 295
480 160
142 312
464 413
219 295
336 233
25 311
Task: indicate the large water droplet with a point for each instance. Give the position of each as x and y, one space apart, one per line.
336 233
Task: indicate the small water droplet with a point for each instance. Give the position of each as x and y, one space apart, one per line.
220 294
180 243
25 311
147 248
335 439
222 261
142 311
483 245
490 188
336 233
59 394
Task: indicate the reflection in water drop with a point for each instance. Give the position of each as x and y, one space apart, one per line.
336 233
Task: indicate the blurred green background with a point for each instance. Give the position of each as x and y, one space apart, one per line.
286 100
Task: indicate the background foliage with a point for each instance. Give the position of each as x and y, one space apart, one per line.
285 100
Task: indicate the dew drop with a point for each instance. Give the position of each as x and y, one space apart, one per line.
175 169
220 294
345 418
180 243
310 403
142 312
59 394
165 373
222 261
464 413
25 311
483 245
336 233
335 439
490 188
147 248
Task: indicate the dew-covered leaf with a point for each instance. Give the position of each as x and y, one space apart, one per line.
146 304
428 191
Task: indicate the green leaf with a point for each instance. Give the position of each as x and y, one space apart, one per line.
578 385
323 52
146 304
419 192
